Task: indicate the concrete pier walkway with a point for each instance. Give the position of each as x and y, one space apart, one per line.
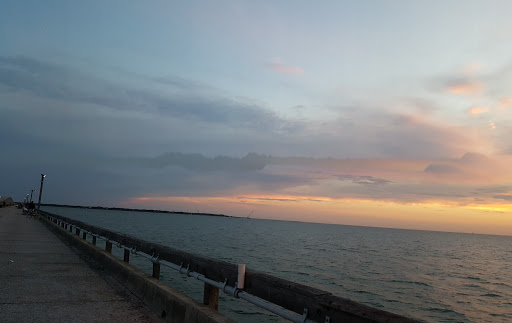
43 280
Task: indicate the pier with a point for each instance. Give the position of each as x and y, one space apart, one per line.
32 246
44 280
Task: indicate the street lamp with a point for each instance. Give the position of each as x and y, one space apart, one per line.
40 191
26 197
31 192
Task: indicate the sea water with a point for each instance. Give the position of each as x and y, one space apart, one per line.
425 275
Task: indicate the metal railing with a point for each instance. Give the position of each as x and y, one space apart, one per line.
290 300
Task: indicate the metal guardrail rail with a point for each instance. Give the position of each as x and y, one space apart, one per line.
295 302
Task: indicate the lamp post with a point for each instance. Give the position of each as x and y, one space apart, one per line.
26 197
31 192
40 191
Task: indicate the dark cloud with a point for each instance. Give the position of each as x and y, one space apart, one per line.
271 199
364 180
188 114
21 73
97 181
441 169
177 82
217 110
408 135
460 166
62 83
474 159
198 162
289 199
503 197
492 190
31 66
370 132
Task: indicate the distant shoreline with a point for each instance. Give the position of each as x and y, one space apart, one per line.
135 210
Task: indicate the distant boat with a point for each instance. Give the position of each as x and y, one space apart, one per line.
249 216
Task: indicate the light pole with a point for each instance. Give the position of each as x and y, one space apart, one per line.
26 197
40 191
31 192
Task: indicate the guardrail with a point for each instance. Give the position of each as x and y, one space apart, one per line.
295 302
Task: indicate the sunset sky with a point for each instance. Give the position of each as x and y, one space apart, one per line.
390 113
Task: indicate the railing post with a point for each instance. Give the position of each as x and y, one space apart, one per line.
94 240
156 270
108 247
211 296
126 257
77 231
84 235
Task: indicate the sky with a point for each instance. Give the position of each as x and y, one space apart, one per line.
389 114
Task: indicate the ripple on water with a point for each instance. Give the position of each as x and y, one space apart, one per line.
365 292
411 282
441 310
472 286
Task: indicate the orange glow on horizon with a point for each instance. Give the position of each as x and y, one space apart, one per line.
456 216
294 198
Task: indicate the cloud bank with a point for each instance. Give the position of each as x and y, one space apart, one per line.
168 138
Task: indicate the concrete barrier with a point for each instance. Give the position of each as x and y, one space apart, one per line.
171 305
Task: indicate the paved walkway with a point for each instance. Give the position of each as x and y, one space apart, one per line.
43 280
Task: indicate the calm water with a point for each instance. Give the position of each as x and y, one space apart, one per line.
430 276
